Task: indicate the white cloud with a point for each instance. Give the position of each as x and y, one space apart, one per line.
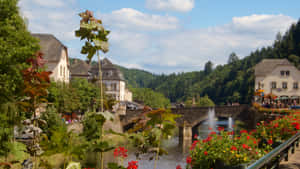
54 17
128 18
131 42
190 49
171 5
51 3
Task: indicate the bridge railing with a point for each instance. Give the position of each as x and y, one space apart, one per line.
272 159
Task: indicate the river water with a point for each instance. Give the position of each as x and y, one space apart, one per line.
175 156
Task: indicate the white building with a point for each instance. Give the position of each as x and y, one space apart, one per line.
56 56
113 80
278 77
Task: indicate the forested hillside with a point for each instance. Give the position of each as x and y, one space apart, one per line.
232 82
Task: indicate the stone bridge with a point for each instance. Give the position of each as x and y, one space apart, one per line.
191 118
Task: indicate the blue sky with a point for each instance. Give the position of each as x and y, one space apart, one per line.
165 36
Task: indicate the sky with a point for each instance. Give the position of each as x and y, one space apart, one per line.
166 36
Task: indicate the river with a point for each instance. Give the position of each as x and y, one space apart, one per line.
175 156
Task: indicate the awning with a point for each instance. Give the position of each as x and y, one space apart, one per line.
284 97
295 97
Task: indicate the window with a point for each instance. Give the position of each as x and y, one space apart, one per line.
273 85
60 70
287 73
64 71
282 73
295 85
284 85
114 87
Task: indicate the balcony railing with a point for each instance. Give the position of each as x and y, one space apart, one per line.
272 159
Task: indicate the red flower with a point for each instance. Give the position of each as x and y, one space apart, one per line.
207 139
243 131
248 137
296 125
276 125
254 142
258 124
221 128
132 165
234 148
209 128
245 146
231 133
120 151
189 160
205 153
195 136
194 145
212 133
270 141
178 167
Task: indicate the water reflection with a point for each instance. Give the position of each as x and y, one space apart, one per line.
175 156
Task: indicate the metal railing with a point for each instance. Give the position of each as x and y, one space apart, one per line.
272 159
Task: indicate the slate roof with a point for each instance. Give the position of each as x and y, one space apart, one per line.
109 71
266 66
79 67
51 47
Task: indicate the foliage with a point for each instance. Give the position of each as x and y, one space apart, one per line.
17 45
225 148
53 121
232 82
64 97
159 125
92 30
136 78
150 98
18 151
279 129
200 102
36 83
229 149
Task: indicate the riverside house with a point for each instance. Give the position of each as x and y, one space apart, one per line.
56 56
279 78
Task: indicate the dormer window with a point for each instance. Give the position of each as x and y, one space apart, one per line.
287 73
282 73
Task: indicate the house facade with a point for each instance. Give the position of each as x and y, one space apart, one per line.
112 77
56 57
80 69
278 77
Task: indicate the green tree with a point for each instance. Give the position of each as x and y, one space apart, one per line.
150 98
208 67
232 58
17 45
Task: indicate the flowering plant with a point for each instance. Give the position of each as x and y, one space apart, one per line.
278 130
223 148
